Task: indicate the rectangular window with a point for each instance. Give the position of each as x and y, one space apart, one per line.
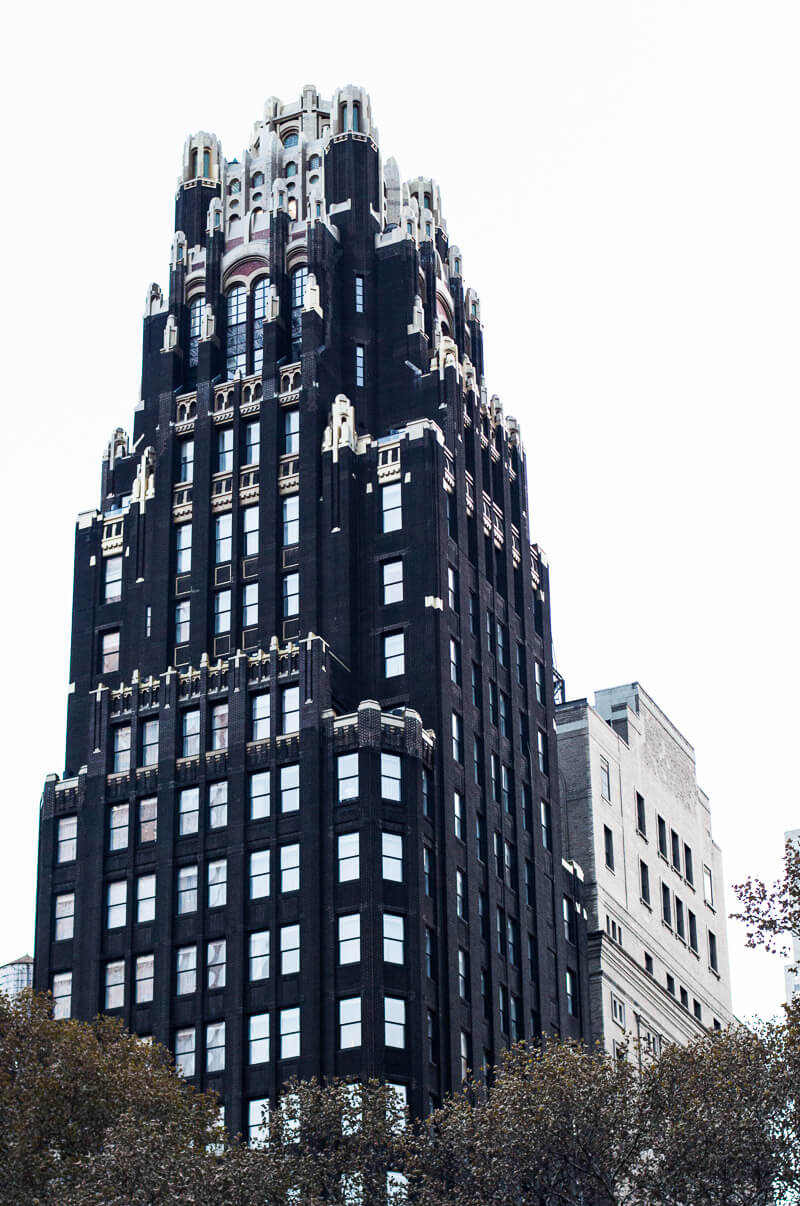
391 777
258 1038
217 883
666 905
62 995
215 1047
359 299
541 748
688 864
187 890
349 1023
65 916
252 443
392 857
112 579
430 968
347 777
455 662
463 974
458 815
394 1024
670 984
504 724
618 1010
608 840
184 1052
290 1033
544 816
680 919
502 644
349 938
708 886
427 870
109 652
186 970
394 662
662 837
224 450
568 914
506 792
538 678
693 931
641 815
290 950
476 685
676 850
605 779
713 957
457 733
291 595
452 589
426 793
115 985
116 904
223 538
391 507
258 1122
392 576
290 710
290 787
259 874
188 810
249 531
190 733
148 819
290 868
571 985
222 612
150 743
393 938
118 827
502 1001
145 899
347 857
219 727
144 979
122 748
182 624
359 364
216 953
183 548
461 895
218 804
186 461
66 846
258 955
259 713
250 605
644 882
259 795
290 510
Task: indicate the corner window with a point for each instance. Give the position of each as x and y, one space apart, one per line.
349 938
391 777
347 777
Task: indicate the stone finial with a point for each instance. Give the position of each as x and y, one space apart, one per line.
208 321
273 304
340 431
311 300
154 302
417 317
170 334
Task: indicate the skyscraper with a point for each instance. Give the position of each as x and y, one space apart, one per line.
309 820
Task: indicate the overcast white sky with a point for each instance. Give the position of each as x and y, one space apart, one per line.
623 181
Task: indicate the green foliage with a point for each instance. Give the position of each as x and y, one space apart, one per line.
771 913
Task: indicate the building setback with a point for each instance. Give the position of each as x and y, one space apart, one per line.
309 821
640 828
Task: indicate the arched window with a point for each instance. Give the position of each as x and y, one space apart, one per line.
299 282
206 162
259 220
343 117
234 227
427 230
458 267
290 140
217 219
256 197
314 163
258 179
291 169
236 186
319 209
313 180
426 201
292 207
195 328
260 297
194 162
237 330
356 116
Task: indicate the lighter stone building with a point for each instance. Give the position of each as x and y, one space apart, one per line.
16 976
640 827
792 968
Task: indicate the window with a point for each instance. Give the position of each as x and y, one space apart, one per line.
186 970
505 708
290 710
347 856
644 882
360 372
614 930
392 857
290 509
608 840
458 814
349 930
708 886
259 713
62 995
67 840
259 795
359 294
571 985
291 431
290 1033
392 581
506 793
426 793
144 979
290 868
697 1009
391 507
427 870
258 1122
146 899
290 787
461 894
218 804
457 733
215 1047
259 874
112 583
118 827
393 938
349 1023
215 963
394 1024
115 985
183 548
252 446
618 1010
648 963
219 726
188 810
291 595
116 904
187 890
544 816
670 984
290 950
150 743
538 678
65 916
347 777
186 461
713 957
109 652
662 837
182 621
391 777
641 815
122 748
394 661
250 605
605 780
236 344
455 662
184 1052
258 955
680 920
666 905
249 531
217 883
688 864
676 850
463 974
452 589
693 931
502 644
190 733
223 538
541 747
568 913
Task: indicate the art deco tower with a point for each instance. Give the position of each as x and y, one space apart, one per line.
309 820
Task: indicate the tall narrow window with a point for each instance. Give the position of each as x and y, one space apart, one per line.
222 612
146 898
291 595
666 905
360 364
290 868
66 844
641 815
290 710
359 295
291 431
116 904
250 605
62 995
118 827
259 795
183 548
186 970
122 748
299 281
662 837
182 621
186 461
391 777
688 864
187 890
223 537
290 950
457 736
393 938
544 816
392 857
115 985
144 979
260 298
258 1038
218 803
224 450
394 1022
290 1033
249 531
392 572
291 520
349 938
259 955
394 662
608 841
196 307
109 652
391 507
216 955
259 705
217 883
290 787
347 856
149 731
644 882
215 1047
605 779
236 342
713 956
349 1023
188 810
65 916
259 874
185 1052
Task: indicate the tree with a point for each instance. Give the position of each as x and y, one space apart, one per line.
772 913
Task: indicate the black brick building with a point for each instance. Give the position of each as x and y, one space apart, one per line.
309 820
